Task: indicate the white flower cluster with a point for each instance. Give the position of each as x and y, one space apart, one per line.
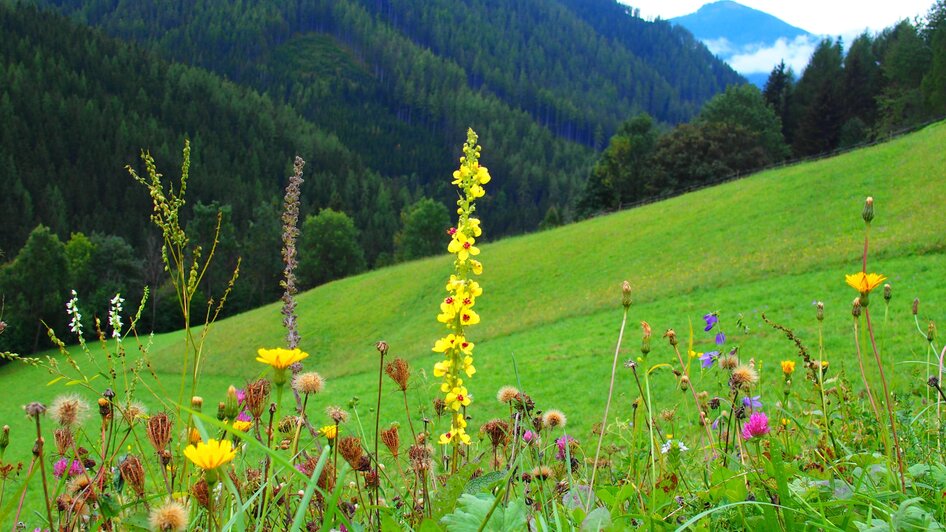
665 448
114 315
72 308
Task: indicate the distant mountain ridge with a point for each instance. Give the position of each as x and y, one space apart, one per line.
751 41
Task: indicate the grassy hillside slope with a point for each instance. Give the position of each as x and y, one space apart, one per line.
773 243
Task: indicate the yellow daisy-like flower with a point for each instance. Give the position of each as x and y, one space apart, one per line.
455 435
242 426
280 358
210 455
788 367
329 431
864 282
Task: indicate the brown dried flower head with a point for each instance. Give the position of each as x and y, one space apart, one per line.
64 440
257 395
498 432
542 472
382 348
135 411
133 473
439 406
35 409
729 362
201 493
399 372
350 449
391 439
159 431
506 394
309 382
372 480
69 410
419 455
336 414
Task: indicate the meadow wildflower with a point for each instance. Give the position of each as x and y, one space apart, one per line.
456 310
707 359
752 402
788 367
565 443
744 376
329 431
243 422
64 466
211 454
864 282
280 359
756 427
711 320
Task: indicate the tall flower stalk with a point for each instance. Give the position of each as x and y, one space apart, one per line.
456 310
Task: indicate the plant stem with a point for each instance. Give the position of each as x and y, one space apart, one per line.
42 471
607 406
887 399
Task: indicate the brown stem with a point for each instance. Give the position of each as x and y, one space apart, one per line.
607 406
883 381
410 423
860 363
42 471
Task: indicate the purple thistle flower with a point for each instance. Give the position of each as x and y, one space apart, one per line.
244 416
752 402
756 427
720 338
562 443
707 359
241 396
62 466
711 320
529 436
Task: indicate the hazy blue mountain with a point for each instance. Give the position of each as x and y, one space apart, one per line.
751 41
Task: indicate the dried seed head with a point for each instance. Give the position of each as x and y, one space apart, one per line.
743 377
382 348
64 440
626 294
35 409
105 407
667 415
684 383
350 449
399 372
159 431
172 516
201 493
819 310
506 394
364 463
309 382
523 403
197 402
135 411
69 410
336 414
729 362
498 432
553 418
856 307
714 403
916 306
257 395
327 477
288 424
541 473
391 439
439 406
371 479
419 455
671 336
133 473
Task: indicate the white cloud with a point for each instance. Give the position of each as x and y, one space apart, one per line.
757 58
721 46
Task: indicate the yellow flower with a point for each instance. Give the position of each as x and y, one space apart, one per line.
482 175
280 358
474 225
476 266
457 397
329 431
441 368
456 434
463 246
210 455
469 317
788 367
864 282
242 426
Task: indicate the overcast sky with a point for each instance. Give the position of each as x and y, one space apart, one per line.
823 17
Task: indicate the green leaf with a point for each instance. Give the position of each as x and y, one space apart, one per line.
598 519
447 496
472 512
484 482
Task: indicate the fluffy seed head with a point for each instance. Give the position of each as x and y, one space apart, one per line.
553 418
506 394
308 382
541 472
135 411
728 362
170 516
69 410
64 440
743 377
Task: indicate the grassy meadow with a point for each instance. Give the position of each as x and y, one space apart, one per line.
771 243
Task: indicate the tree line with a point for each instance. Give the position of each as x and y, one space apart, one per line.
884 83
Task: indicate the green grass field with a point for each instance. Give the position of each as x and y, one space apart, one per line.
774 243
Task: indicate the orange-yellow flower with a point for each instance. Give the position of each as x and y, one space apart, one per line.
280 358
864 282
210 455
788 367
242 426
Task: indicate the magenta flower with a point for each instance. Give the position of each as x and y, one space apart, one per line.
529 436
562 444
756 427
62 466
244 416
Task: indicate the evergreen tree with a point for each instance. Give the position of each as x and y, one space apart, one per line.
818 101
861 81
778 92
745 106
623 172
